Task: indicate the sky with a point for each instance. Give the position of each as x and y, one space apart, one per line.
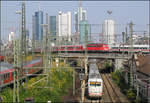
122 13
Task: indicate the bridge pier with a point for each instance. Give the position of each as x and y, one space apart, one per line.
118 63
85 66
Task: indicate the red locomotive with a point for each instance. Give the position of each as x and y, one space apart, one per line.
7 71
97 47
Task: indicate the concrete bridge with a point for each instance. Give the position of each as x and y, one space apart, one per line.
118 58
96 55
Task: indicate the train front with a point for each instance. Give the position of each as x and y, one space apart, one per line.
95 87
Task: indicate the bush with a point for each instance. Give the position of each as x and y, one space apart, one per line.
131 95
59 83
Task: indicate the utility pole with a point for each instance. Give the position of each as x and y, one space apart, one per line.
33 36
23 39
45 46
123 37
79 13
131 50
126 34
45 49
17 71
86 42
74 82
23 26
18 54
149 37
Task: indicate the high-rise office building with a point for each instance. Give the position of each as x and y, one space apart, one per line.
37 25
108 30
78 18
64 25
52 25
11 36
85 32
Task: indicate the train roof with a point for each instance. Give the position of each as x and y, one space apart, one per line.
96 44
7 67
93 68
130 46
76 45
93 71
95 76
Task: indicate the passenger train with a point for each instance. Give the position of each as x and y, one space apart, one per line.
95 82
7 71
129 48
97 47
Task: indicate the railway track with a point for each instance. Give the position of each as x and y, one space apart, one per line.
93 100
110 89
96 101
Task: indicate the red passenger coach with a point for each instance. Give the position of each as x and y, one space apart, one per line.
70 48
7 71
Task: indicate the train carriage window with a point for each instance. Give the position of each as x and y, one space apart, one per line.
94 45
2 77
95 83
8 75
12 74
70 47
5 76
98 83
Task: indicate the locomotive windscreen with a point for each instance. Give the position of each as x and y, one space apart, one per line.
95 83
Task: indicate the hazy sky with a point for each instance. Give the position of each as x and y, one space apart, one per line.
123 13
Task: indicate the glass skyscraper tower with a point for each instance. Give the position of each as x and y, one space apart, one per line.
52 20
85 32
37 25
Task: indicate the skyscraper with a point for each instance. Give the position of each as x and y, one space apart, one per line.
11 36
52 25
82 16
85 32
108 29
64 25
37 25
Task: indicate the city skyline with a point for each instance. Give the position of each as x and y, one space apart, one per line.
121 18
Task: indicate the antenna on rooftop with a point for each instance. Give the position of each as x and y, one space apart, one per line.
39 7
80 3
109 12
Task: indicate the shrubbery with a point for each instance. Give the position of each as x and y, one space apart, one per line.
130 92
59 82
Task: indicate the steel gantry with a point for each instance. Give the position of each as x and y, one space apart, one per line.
17 67
19 54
